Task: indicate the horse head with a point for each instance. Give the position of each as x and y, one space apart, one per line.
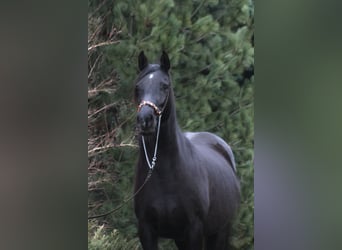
152 90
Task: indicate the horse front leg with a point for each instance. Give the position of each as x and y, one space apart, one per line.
148 237
195 236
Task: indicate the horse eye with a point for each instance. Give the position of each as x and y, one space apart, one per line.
165 85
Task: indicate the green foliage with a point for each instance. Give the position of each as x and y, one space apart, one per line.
99 240
209 44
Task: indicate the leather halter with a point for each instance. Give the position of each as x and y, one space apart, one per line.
152 105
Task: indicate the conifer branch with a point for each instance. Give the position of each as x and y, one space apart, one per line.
102 44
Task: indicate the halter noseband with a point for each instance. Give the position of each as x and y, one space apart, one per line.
152 105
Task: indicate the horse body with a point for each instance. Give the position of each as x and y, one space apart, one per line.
217 160
193 192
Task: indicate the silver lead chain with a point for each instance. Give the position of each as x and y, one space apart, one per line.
154 159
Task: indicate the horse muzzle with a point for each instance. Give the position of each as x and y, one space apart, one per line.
146 121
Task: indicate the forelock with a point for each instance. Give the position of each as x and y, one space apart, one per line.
148 70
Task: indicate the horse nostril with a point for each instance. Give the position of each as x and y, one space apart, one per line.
149 118
145 121
141 121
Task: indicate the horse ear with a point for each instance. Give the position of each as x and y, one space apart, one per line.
142 61
165 62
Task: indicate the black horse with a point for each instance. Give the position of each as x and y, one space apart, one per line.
193 191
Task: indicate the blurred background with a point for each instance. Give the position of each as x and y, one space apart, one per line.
46 101
211 48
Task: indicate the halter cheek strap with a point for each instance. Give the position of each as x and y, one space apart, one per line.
152 105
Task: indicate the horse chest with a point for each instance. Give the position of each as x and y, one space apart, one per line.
168 213
161 200
165 201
